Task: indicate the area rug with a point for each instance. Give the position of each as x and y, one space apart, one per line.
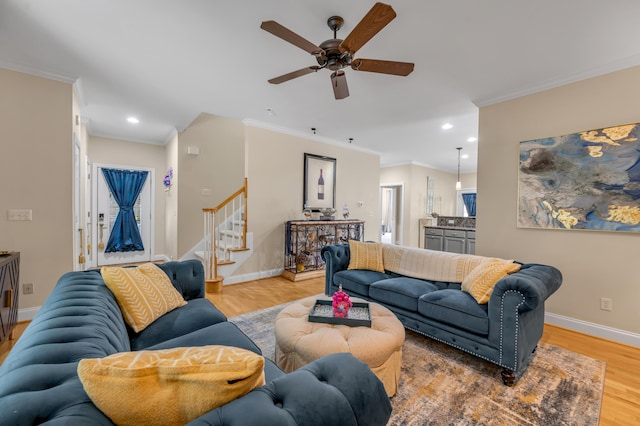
440 385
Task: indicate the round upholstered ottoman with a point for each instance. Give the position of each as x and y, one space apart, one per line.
298 341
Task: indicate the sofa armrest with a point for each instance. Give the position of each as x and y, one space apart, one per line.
187 277
337 389
336 258
534 282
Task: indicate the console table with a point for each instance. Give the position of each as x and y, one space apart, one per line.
9 278
305 238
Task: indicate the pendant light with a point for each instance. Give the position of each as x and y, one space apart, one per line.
458 183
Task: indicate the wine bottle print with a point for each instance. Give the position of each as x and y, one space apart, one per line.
320 187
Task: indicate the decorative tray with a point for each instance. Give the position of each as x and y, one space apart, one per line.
359 315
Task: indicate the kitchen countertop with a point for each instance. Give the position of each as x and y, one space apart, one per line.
457 228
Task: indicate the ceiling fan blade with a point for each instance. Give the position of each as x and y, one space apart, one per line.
383 67
339 83
374 21
287 35
294 74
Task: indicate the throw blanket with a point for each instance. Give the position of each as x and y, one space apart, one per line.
430 265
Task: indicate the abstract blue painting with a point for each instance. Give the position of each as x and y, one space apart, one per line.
588 181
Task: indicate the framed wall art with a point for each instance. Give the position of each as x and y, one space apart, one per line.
319 182
587 181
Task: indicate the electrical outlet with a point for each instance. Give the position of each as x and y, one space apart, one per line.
606 304
27 288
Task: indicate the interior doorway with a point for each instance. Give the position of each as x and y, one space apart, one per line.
135 245
391 202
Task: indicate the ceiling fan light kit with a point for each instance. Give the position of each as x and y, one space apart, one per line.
335 54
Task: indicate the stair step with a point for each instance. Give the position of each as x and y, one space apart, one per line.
229 233
225 262
239 249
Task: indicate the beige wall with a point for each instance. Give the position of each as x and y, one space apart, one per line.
218 170
594 264
36 173
414 179
275 172
132 154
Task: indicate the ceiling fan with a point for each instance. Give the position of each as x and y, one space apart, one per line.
335 54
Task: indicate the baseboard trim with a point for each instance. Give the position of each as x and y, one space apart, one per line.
27 314
235 279
592 329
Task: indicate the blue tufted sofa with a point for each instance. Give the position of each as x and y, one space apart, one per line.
81 319
505 331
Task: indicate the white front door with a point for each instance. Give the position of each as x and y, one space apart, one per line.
105 213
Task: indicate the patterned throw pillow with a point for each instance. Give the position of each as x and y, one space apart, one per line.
170 386
481 280
365 256
144 293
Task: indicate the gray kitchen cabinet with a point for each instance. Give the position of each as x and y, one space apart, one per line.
454 241
434 239
450 240
471 242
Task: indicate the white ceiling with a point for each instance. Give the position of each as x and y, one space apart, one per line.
166 61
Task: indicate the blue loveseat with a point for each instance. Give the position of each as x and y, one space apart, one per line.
505 331
81 319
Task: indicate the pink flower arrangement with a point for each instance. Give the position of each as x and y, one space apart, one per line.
341 303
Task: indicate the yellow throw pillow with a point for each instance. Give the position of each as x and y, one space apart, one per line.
144 293
170 386
481 280
365 256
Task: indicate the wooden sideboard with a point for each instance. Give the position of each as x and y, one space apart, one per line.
304 240
9 279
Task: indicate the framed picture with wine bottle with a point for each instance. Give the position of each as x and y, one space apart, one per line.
319 182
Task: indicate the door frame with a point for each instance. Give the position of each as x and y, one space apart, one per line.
94 206
399 214
78 211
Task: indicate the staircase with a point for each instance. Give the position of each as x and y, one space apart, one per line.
225 236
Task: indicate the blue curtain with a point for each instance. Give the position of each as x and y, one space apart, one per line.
125 186
470 203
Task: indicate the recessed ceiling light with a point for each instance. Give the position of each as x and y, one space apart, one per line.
465 156
447 126
133 120
472 139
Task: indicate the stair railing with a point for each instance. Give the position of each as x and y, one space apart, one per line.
221 224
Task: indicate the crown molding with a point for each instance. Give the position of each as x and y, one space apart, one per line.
38 72
618 65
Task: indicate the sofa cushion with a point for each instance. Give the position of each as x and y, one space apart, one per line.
456 308
144 293
365 256
171 386
195 315
357 281
402 292
481 280
224 333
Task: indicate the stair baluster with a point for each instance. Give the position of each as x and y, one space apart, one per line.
225 228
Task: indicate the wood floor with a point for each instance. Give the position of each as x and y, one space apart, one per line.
621 399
